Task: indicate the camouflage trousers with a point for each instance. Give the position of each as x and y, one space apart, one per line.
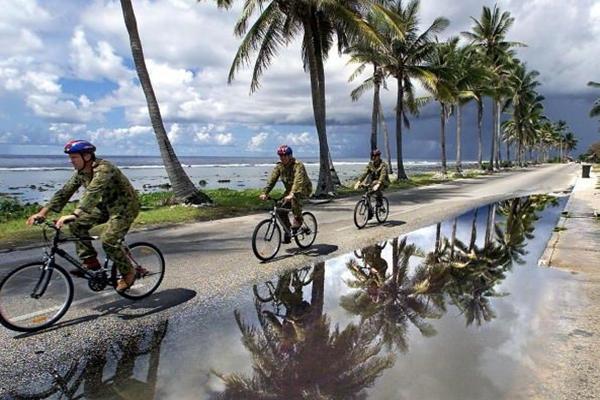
117 227
296 206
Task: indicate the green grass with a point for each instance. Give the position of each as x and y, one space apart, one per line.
160 209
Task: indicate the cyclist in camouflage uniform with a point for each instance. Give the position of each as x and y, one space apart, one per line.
297 186
377 174
108 198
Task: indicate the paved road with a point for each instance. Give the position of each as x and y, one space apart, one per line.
210 261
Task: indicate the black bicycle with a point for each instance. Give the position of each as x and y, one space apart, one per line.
267 238
36 295
368 206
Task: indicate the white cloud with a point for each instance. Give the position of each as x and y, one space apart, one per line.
300 139
18 21
256 141
224 139
13 138
96 64
219 139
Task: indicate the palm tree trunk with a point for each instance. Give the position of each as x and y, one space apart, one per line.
334 176
479 133
375 112
458 138
453 238
438 238
399 121
443 137
318 290
493 140
473 230
386 138
488 225
498 121
335 179
183 188
325 183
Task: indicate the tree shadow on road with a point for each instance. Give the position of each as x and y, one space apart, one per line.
127 309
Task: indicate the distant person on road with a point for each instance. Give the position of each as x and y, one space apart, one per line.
297 186
109 198
375 176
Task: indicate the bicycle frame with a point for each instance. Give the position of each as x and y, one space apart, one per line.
275 216
50 259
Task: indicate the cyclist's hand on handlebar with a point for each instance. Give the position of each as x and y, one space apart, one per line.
376 187
263 196
357 186
288 198
65 219
36 218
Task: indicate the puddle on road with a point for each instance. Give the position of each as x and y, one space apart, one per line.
447 311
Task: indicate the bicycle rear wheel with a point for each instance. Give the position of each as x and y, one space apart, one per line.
382 211
361 214
149 264
266 239
307 233
21 311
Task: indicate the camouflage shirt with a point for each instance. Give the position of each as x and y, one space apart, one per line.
376 173
106 188
294 178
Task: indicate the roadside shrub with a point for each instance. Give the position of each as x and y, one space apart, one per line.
13 209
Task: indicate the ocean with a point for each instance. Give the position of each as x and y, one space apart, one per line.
36 178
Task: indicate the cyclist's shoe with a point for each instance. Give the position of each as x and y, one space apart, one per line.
90 264
370 214
287 239
141 272
126 281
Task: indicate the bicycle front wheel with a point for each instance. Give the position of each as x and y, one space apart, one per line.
361 214
33 297
149 264
266 239
307 233
382 211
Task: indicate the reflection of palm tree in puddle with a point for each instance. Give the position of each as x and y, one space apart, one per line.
298 355
122 385
389 302
468 274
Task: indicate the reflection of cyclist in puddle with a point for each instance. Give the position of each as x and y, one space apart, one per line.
121 385
290 326
374 271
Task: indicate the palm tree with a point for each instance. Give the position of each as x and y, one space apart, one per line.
183 188
366 54
488 34
442 59
470 76
291 359
595 111
386 137
319 22
407 61
526 107
389 302
570 142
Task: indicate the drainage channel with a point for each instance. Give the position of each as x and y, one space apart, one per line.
448 311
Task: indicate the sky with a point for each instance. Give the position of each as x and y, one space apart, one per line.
66 72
